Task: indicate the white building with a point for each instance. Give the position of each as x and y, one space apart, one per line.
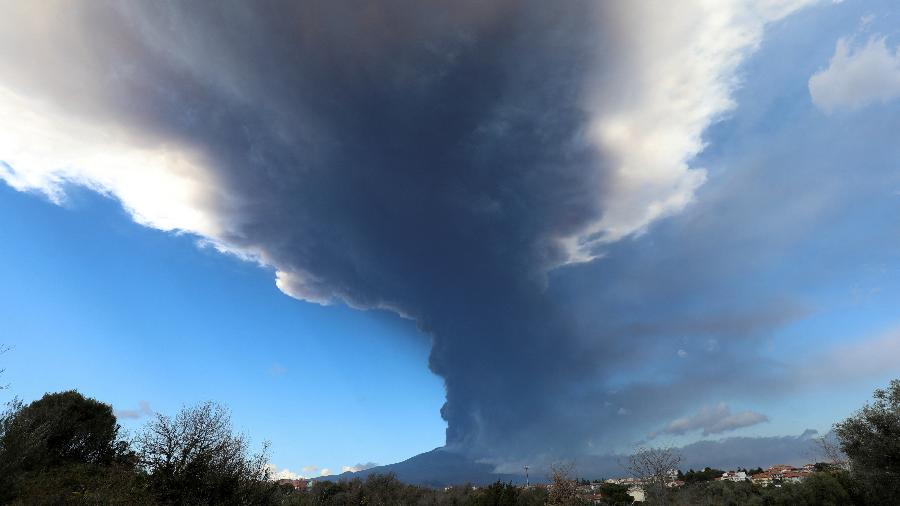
737 476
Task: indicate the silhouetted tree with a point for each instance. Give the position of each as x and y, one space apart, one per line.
194 458
48 446
656 468
60 428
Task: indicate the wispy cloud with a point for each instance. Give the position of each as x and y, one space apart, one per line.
863 357
135 414
711 420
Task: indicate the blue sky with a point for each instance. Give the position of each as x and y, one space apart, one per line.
126 314
633 223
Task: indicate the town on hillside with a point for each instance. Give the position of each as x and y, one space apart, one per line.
591 491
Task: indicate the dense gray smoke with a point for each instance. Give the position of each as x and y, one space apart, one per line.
488 169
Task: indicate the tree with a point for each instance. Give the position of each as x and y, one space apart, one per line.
194 458
707 474
497 494
60 428
656 469
53 435
871 440
564 489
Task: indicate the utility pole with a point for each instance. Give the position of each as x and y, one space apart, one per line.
526 476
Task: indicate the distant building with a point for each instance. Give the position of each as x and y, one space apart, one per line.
781 473
299 484
762 479
624 481
793 476
736 476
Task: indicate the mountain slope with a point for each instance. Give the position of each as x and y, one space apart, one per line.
437 468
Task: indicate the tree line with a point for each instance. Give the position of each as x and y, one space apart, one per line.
65 448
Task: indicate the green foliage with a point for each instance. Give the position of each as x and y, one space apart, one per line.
386 490
532 497
708 474
823 467
82 484
58 430
871 440
826 489
711 492
498 494
615 495
65 449
820 489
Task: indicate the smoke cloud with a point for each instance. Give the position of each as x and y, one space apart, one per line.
487 169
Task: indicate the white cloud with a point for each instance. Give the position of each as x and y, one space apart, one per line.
682 353
672 74
675 77
309 471
358 467
712 420
163 186
857 76
281 474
